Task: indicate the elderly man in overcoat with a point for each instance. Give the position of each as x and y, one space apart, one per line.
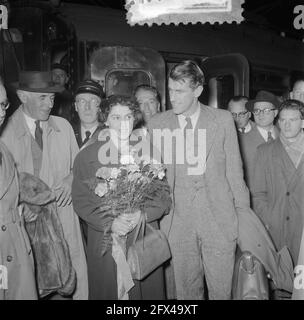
45 146
203 226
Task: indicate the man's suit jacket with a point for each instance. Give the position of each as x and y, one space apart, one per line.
248 146
226 189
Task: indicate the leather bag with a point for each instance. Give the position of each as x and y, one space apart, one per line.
149 250
250 279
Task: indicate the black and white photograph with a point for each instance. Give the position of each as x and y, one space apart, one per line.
151 150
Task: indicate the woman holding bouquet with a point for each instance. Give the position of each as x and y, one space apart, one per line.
106 196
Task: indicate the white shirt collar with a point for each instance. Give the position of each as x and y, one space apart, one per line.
83 131
30 123
264 133
194 118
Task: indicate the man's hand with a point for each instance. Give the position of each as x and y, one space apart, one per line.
63 191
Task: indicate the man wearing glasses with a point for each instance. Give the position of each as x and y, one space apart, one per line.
240 114
264 108
87 104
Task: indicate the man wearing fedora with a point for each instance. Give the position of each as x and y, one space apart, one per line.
45 146
278 182
264 109
88 107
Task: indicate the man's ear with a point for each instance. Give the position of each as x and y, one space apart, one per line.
76 109
291 95
276 112
22 96
198 91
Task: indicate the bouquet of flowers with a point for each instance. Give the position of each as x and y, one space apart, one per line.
126 189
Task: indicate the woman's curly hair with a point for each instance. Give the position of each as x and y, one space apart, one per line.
114 100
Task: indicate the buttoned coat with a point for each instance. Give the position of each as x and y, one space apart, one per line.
248 147
17 272
59 150
277 194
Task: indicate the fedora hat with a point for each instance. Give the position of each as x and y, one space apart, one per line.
263 96
36 81
90 86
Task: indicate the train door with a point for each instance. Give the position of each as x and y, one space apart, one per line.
226 76
121 69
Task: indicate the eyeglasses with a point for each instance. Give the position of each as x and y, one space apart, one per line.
239 114
4 105
266 111
83 102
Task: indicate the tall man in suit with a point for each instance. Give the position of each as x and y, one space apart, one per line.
88 106
202 227
264 108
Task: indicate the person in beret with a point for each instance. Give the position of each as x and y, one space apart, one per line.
45 146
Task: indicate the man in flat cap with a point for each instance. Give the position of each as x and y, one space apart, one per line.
63 102
45 146
88 107
264 109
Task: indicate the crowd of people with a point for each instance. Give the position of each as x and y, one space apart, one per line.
253 166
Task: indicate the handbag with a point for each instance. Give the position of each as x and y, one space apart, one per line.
250 280
149 250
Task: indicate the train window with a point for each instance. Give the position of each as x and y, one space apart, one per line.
124 81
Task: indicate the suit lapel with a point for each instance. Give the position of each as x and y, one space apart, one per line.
207 121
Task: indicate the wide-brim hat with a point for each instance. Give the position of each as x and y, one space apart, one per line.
90 86
263 96
36 81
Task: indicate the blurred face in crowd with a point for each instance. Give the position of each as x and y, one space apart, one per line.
240 114
37 105
290 123
264 114
183 96
121 120
59 77
148 103
88 107
298 91
3 103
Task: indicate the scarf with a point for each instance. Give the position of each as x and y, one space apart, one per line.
294 149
